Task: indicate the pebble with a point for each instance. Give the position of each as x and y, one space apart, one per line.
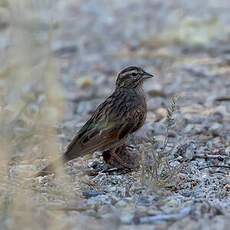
89 194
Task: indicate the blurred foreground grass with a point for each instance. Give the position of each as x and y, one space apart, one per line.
31 106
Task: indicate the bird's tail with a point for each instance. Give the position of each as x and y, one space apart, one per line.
75 150
55 165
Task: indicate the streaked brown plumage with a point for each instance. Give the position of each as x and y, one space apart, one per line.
121 114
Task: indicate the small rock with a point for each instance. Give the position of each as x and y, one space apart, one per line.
88 194
161 113
84 82
227 187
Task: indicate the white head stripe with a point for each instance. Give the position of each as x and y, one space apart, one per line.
128 72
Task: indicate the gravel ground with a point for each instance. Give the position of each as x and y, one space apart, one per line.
186 45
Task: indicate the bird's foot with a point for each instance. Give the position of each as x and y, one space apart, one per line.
123 157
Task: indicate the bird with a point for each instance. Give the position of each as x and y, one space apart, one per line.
121 114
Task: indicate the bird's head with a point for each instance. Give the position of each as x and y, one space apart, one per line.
132 77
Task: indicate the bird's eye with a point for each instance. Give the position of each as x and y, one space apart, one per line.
134 74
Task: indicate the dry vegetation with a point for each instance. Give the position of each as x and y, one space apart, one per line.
156 171
31 107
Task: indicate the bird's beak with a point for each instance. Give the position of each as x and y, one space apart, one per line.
147 75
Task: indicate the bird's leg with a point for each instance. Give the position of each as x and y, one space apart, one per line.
122 157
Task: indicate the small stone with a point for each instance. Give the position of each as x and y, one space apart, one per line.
84 82
227 187
88 194
161 113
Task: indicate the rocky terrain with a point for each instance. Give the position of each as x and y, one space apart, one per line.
59 60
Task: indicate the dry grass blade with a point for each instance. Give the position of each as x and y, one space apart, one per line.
31 106
157 171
